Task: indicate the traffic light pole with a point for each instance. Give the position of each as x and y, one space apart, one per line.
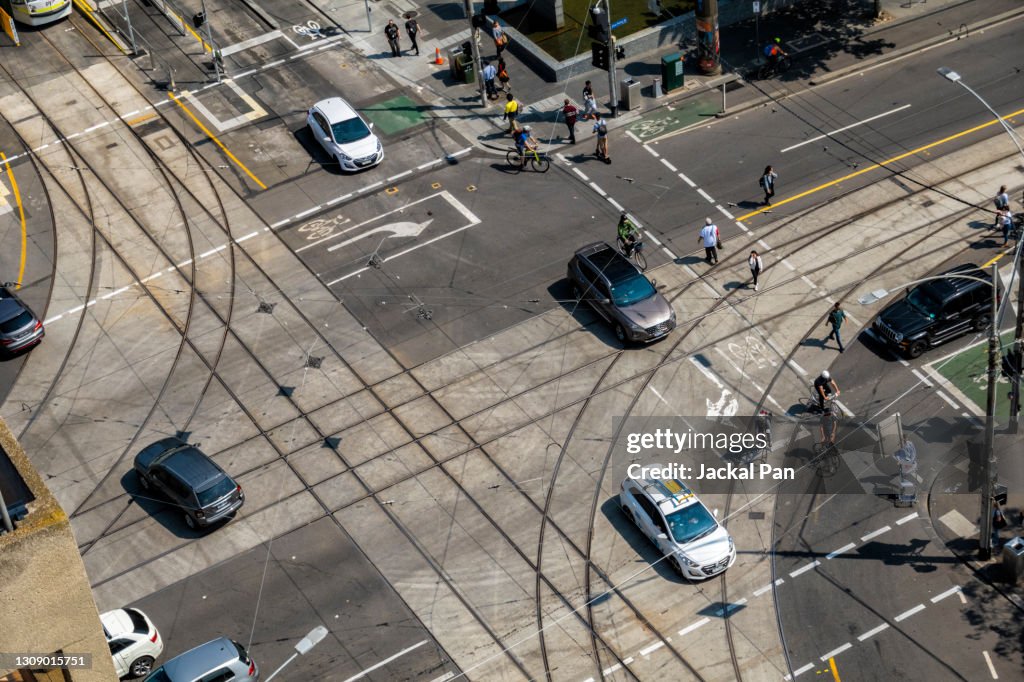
474 43
988 476
1018 347
613 82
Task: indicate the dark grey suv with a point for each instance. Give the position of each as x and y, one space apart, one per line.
620 293
19 326
190 480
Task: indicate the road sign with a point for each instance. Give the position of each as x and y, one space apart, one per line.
620 22
757 8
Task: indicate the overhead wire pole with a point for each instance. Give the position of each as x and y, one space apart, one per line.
613 82
474 46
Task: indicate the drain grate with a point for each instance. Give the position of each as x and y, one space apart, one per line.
265 307
313 362
755 516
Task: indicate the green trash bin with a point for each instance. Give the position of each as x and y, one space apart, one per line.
671 72
468 68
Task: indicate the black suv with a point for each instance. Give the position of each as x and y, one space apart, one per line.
620 293
190 480
936 311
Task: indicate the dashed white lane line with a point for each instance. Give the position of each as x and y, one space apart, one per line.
908 613
668 165
802 670
872 632
647 651
804 569
594 186
842 550
728 608
76 309
949 401
617 205
213 251
948 593
303 214
652 151
905 519
876 533
338 200
808 282
761 590
693 626
687 180
764 245
54 318
706 372
785 261
115 292
835 652
991 668
401 175
728 215
924 380
792 363
705 195
582 176
610 669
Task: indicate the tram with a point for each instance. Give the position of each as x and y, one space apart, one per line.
36 12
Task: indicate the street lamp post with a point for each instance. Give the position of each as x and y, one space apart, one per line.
1018 344
989 462
303 647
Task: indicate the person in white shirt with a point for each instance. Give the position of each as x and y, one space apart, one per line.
756 266
709 236
1002 203
1006 218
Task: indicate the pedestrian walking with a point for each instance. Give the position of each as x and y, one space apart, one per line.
412 28
569 113
1002 204
836 317
490 73
756 266
503 75
601 128
767 183
1006 220
391 31
500 38
709 237
511 112
589 102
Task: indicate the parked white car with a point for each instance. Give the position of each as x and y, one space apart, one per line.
344 135
679 525
134 641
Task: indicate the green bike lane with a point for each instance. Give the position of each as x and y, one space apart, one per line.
967 371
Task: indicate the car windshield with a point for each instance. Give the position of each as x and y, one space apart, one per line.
17 322
632 290
215 491
349 130
690 523
920 299
158 675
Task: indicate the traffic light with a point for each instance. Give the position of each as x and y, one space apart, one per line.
599 55
599 28
198 19
1011 363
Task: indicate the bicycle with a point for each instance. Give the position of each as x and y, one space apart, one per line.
539 161
636 252
767 70
826 459
831 406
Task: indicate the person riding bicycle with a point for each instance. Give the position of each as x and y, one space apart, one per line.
773 52
628 234
524 140
825 387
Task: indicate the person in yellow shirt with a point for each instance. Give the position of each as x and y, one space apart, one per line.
511 112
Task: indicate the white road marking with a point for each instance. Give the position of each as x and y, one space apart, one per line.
306 212
958 523
727 214
617 205
213 251
905 519
655 392
705 195
338 200
875 534
652 151
764 244
761 590
808 282
963 599
785 261
248 236
991 668
251 42
852 125
792 363
647 651
369 670
835 652
804 569
687 180
909 612
842 550
581 174
54 318
370 187
428 164
802 670
75 310
669 166
443 678
730 607
593 186
924 380
949 401
706 372
393 178
693 626
948 593
873 631
668 253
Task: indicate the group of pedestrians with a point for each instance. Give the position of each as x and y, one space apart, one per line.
1004 216
412 29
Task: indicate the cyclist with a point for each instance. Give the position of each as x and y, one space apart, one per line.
523 138
773 52
825 387
628 234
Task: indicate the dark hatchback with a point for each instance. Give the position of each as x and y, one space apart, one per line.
190 480
620 293
19 326
937 311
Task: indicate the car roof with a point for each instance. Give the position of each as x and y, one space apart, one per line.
336 109
192 466
196 662
945 288
669 494
10 305
608 262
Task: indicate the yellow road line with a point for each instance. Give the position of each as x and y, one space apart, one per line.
140 119
993 260
832 667
21 213
873 166
215 140
87 11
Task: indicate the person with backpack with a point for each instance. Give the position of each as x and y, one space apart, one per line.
412 28
569 113
503 77
767 183
511 112
836 317
1002 203
601 128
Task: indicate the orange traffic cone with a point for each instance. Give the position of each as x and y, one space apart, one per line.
438 59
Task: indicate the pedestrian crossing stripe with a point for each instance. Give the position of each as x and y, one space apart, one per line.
5 206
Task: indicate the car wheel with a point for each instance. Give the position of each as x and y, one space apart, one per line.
143 481
917 348
190 522
141 666
620 334
982 323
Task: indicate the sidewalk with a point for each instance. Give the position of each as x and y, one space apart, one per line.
825 40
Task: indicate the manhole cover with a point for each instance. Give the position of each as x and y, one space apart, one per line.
755 516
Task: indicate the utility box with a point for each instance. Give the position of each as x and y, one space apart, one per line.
630 93
671 72
1013 559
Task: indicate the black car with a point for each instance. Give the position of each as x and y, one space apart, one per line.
936 311
190 480
19 326
620 293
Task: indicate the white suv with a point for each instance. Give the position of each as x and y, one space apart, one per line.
133 640
679 525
